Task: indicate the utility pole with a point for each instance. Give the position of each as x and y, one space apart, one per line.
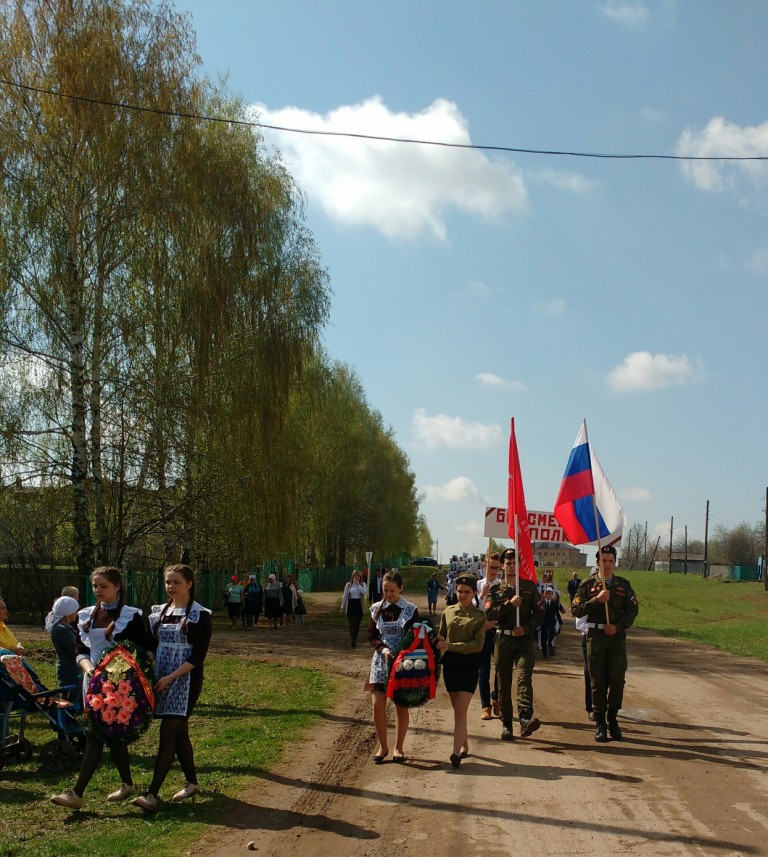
685 561
645 546
671 530
706 540
765 555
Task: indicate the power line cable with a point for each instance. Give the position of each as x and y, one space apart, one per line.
380 138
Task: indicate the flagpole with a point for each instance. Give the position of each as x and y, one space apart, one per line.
517 574
488 557
600 572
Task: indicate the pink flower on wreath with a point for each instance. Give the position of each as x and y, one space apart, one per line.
94 702
108 715
107 686
128 704
124 687
112 700
123 717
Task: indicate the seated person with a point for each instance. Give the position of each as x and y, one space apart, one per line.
7 639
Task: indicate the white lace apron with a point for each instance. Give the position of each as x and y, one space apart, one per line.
173 650
391 635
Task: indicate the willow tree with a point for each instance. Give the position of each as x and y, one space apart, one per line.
155 267
353 486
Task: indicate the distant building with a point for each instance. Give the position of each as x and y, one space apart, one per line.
693 564
558 555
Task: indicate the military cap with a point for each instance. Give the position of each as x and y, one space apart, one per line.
509 552
605 549
466 580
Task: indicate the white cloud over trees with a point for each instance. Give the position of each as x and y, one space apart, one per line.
456 490
442 430
400 189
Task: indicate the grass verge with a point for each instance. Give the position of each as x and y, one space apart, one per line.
730 616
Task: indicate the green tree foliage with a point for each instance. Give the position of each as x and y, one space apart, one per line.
161 292
739 545
160 306
353 485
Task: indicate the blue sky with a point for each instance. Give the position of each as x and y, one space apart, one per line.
473 286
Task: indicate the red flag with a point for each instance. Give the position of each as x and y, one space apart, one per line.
516 506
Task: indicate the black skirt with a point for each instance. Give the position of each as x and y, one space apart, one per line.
355 608
461 671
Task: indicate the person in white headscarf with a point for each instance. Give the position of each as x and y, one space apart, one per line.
59 624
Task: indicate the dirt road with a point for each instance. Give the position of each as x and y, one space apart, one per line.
689 778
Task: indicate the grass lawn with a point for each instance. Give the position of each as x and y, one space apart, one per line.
729 616
247 714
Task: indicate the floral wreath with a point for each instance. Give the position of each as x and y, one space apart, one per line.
415 668
119 699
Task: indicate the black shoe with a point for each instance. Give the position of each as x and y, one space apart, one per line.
528 727
551 651
601 733
455 760
614 730
506 733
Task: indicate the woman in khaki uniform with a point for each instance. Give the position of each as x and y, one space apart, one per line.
461 637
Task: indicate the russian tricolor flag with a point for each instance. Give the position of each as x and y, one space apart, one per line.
586 499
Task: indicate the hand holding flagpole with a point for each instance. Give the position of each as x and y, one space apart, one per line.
600 572
517 572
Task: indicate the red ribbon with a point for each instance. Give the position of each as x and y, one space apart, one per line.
394 683
121 651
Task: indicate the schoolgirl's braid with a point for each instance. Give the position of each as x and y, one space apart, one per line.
162 616
87 626
189 607
111 627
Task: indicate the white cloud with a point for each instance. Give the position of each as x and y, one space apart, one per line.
721 138
653 114
562 180
635 493
488 379
556 306
453 432
401 189
631 15
758 263
643 371
454 491
480 289
471 528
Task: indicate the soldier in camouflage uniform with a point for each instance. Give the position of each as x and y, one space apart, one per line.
606 639
515 645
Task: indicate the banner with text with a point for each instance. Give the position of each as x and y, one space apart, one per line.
543 525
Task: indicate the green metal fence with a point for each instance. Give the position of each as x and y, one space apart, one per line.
29 596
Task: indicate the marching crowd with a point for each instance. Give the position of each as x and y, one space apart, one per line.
487 638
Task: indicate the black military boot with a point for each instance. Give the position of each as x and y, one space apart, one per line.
601 733
614 730
506 733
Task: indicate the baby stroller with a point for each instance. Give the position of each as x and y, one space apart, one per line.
21 694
